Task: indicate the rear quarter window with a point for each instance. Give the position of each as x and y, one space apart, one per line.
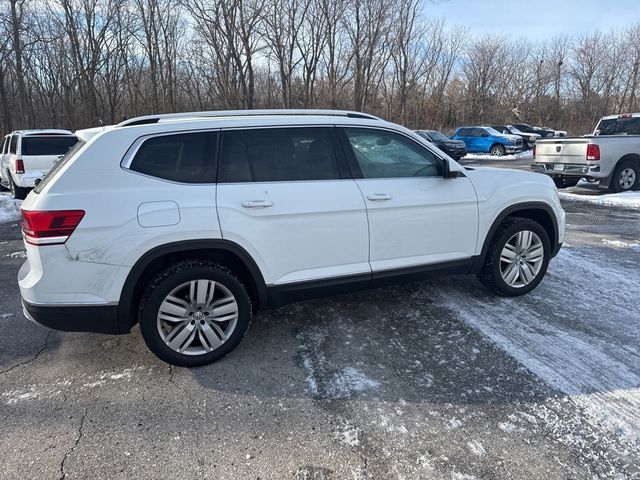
184 158
49 145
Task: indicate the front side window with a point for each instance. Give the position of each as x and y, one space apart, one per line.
184 158
47 145
383 154
277 155
13 144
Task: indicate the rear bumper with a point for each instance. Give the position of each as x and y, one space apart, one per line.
568 170
74 318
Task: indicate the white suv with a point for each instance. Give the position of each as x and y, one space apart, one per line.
27 155
189 223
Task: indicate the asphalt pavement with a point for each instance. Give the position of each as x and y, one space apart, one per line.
430 380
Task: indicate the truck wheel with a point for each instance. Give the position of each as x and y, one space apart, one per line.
625 177
563 182
194 313
497 151
19 193
517 258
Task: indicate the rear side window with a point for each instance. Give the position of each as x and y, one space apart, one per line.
5 145
184 158
464 132
277 155
47 145
620 126
13 144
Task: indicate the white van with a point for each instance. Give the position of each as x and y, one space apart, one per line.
28 155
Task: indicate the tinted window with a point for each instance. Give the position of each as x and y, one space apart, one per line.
381 154
437 136
185 158
12 145
5 145
465 132
277 154
620 126
58 165
47 145
480 132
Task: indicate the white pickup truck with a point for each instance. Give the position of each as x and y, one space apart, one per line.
610 156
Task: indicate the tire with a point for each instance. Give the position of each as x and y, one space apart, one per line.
191 327
625 177
497 150
19 193
491 275
564 182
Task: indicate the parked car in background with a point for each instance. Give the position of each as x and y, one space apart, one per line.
456 149
610 156
488 140
528 139
543 132
198 220
30 154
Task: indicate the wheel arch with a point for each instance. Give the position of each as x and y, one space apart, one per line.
228 254
539 212
633 157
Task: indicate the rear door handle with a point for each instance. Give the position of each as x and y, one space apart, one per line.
257 204
377 197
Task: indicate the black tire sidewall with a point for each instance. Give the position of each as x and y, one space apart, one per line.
615 180
178 275
499 243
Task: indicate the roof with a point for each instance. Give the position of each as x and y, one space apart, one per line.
620 115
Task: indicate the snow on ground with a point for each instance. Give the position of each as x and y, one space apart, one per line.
623 200
485 156
593 355
9 208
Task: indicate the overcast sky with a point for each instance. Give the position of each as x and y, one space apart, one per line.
536 19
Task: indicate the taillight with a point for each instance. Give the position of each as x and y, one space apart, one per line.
534 152
593 152
19 166
49 227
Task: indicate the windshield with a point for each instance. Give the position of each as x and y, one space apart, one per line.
58 165
620 126
492 131
524 128
47 145
435 135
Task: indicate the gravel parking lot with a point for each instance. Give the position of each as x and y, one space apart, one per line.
433 380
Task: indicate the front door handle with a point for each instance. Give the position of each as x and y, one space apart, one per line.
257 204
377 197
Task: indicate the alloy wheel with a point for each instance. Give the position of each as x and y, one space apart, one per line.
197 317
521 259
627 178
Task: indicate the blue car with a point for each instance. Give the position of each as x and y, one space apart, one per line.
488 140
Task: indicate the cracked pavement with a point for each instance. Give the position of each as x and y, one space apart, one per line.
431 380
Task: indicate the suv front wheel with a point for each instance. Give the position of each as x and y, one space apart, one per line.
194 313
517 258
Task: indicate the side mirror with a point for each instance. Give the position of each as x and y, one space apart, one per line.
446 170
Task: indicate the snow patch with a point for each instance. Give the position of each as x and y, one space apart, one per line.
476 448
9 208
349 435
621 245
20 254
630 200
351 380
486 156
57 388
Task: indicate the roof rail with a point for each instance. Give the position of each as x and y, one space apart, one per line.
148 119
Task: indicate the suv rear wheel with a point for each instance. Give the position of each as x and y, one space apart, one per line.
19 193
517 258
194 313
